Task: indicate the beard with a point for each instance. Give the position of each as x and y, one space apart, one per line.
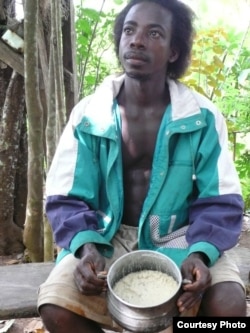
135 71
138 76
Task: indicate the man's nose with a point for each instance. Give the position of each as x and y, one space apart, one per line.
138 40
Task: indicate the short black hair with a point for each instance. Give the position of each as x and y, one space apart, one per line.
183 32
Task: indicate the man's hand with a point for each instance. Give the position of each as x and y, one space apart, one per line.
195 270
86 271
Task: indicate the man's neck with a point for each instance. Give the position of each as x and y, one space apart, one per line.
144 93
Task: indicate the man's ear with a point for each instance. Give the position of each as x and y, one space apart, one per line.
174 55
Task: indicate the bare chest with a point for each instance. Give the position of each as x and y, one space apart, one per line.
139 135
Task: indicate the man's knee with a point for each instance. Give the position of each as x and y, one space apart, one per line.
59 320
224 299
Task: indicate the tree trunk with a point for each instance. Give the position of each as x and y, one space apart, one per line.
13 150
21 186
20 228
69 58
10 136
33 232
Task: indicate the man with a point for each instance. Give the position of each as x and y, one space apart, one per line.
143 164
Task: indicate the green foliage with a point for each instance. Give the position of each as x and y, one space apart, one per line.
206 73
220 69
235 104
95 56
243 168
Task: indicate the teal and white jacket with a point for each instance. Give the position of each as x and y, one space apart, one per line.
194 202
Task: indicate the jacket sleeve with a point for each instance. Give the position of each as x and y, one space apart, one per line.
71 188
216 215
67 217
215 225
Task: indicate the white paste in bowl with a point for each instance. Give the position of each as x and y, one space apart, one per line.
146 288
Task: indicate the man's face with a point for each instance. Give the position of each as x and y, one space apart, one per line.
144 48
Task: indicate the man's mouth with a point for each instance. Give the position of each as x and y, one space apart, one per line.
136 56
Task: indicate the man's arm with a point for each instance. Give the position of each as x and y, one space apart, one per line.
67 217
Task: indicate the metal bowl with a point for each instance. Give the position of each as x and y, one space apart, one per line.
140 318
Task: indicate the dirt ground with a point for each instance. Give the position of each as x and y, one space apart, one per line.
34 325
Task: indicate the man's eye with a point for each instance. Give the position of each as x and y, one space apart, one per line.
154 34
127 31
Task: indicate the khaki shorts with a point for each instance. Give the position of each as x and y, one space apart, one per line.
60 288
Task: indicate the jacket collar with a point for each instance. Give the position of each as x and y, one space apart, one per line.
99 119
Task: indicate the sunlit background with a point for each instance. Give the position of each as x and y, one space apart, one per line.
222 12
